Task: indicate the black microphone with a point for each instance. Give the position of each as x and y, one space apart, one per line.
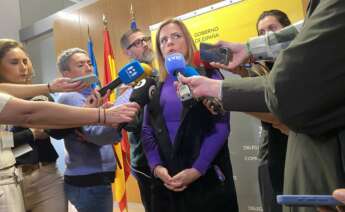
142 93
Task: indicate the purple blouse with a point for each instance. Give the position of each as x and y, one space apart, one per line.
172 108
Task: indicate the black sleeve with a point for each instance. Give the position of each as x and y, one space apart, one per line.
23 137
60 133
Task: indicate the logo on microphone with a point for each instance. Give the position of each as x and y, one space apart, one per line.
131 71
140 84
175 56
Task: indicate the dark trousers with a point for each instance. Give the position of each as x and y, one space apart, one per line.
207 194
271 184
144 184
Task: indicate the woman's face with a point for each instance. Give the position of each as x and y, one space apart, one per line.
172 40
14 67
269 24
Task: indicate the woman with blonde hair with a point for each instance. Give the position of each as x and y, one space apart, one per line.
186 146
15 67
42 183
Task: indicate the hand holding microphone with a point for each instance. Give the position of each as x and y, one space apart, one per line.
176 66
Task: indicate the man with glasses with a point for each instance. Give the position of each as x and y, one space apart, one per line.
137 45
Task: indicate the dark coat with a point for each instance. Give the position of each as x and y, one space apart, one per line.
208 193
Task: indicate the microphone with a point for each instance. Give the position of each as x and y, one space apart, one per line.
132 72
142 93
175 64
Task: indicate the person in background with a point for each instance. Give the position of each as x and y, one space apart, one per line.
137 45
273 142
90 159
42 183
186 147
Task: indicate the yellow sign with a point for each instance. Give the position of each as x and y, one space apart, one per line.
234 22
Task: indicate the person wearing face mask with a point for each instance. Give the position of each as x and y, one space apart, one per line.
186 147
137 45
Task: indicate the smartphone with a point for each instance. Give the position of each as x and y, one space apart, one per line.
213 53
308 200
89 79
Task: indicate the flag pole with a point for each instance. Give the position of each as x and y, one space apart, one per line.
133 21
105 21
105 24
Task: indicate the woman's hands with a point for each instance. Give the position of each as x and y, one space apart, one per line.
180 181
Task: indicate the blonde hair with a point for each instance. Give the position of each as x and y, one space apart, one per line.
191 48
8 44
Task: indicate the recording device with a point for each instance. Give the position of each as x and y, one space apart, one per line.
142 93
89 79
175 64
213 53
308 200
131 72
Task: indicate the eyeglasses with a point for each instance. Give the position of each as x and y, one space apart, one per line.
173 36
140 42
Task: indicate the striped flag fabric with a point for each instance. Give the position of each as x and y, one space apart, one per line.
122 148
93 61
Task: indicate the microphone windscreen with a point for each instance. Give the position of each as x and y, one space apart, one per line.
147 69
190 71
130 72
142 93
174 62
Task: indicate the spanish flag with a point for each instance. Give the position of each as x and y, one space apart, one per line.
121 149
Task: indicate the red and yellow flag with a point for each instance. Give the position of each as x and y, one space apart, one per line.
122 148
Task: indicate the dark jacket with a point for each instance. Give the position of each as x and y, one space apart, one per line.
43 150
195 121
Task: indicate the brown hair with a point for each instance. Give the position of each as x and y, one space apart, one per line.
6 45
189 41
124 41
281 17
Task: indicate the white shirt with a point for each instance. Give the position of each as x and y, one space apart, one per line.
7 158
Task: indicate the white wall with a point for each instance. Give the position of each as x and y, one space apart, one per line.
10 22
35 10
41 49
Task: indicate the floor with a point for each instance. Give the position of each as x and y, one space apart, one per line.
132 207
